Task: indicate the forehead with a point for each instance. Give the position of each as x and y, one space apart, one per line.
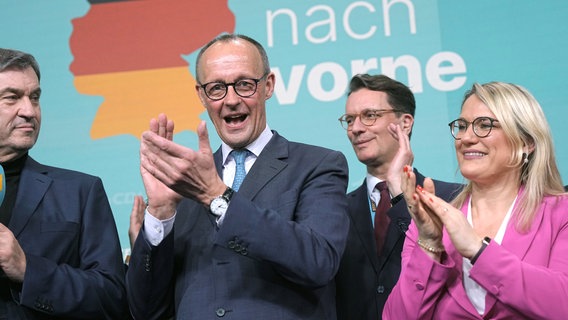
473 108
18 79
366 99
228 61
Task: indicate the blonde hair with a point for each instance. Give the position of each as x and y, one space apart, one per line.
525 126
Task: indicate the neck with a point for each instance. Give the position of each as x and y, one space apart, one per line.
14 166
490 204
378 171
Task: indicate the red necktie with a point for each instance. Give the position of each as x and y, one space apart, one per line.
382 220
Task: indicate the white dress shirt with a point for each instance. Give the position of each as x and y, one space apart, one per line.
474 291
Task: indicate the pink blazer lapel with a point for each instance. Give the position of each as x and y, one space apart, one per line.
517 243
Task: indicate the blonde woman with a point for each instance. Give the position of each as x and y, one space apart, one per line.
500 249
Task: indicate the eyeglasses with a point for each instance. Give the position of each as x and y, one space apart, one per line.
368 117
244 88
481 127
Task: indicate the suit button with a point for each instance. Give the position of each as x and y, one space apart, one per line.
494 290
231 244
220 312
381 289
147 263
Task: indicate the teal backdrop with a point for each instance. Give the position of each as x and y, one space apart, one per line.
439 48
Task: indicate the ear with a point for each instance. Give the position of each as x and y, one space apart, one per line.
270 81
406 123
200 94
528 149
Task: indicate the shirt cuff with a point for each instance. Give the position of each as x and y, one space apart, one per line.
155 229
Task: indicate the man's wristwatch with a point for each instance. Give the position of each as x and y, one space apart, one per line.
220 204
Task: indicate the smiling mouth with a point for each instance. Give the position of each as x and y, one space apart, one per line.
360 142
25 127
473 155
235 119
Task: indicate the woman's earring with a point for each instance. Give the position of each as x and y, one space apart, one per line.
525 158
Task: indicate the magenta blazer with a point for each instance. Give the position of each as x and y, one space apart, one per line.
526 277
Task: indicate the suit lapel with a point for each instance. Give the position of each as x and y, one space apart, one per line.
33 185
400 220
361 219
517 243
268 164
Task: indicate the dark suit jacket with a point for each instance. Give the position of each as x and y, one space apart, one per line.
365 280
274 256
64 224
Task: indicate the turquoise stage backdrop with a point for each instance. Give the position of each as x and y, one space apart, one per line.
109 66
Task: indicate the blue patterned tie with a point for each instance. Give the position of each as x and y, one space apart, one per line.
240 172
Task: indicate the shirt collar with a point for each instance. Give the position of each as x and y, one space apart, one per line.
371 183
255 147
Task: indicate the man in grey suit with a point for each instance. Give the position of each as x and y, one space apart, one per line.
60 255
264 249
379 119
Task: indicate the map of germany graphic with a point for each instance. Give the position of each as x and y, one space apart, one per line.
130 53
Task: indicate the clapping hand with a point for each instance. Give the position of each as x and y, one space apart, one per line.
171 171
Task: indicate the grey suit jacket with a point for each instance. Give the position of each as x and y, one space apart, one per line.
274 256
64 224
365 280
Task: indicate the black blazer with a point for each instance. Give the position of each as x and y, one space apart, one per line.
365 280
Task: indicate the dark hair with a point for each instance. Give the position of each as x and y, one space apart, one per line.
226 37
14 59
399 95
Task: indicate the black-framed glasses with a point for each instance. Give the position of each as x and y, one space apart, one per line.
245 88
481 127
368 117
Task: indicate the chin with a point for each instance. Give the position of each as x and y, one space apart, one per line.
236 142
470 174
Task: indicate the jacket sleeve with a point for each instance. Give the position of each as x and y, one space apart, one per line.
150 279
81 274
420 284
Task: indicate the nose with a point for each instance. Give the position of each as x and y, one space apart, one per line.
27 107
231 98
357 126
468 136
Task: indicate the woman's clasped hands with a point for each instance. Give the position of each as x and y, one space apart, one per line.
432 215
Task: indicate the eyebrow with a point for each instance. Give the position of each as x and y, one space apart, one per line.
18 91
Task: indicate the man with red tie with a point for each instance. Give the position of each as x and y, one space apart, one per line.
379 115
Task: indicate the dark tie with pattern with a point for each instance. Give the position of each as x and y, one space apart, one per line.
382 220
239 155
